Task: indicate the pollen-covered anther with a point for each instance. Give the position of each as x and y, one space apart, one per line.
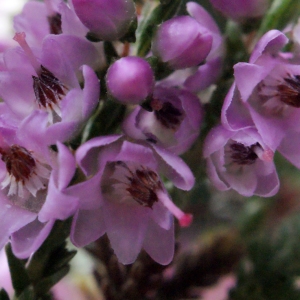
289 91
24 172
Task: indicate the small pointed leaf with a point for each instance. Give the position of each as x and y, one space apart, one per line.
3 295
19 275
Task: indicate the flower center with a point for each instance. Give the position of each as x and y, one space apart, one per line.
143 186
132 183
139 182
289 91
278 95
243 155
48 90
54 21
19 162
167 114
23 171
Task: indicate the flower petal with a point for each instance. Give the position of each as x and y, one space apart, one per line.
159 243
29 238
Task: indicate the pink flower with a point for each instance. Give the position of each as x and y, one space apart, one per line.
130 80
174 122
240 160
45 86
106 19
125 197
52 17
266 95
181 42
197 77
33 182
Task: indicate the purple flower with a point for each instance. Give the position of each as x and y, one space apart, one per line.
265 93
125 197
197 78
240 160
181 42
45 85
33 181
174 122
106 19
241 10
130 79
52 17
44 14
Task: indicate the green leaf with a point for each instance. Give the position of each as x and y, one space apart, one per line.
43 286
3 295
39 262
27 294
105 120
160 69
148 28
19 275
130 35
280 14
110 52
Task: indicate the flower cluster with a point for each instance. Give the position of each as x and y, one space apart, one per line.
98 100
260 115
113 184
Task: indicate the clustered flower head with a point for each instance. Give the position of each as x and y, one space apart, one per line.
59 159
263 102
119 185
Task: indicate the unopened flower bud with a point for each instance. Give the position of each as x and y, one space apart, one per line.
107 20
130 79
182 42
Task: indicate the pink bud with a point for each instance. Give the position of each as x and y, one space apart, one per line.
182 42
106 19
130 79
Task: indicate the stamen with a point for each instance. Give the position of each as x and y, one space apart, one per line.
289 91
48 91
263 154
168 115
143 186
20 38
54 21
184 219
47 88
23 171
243 155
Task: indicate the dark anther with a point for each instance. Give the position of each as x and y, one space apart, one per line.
143 186
169 116
289 91
243 155
19 162
55 23
47 88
